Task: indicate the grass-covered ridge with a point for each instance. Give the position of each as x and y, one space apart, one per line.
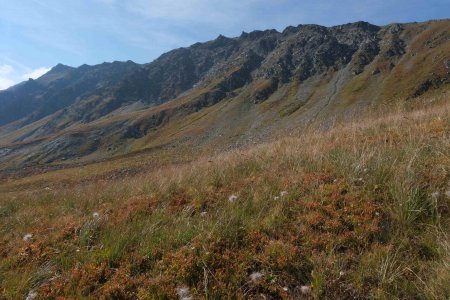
359 211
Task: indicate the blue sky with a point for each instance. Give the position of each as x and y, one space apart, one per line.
37 34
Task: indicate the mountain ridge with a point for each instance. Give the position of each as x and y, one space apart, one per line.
266 81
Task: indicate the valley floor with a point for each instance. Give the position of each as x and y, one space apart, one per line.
361 211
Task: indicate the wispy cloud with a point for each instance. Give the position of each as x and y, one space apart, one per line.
5 83
35 74
6 69
10 76
215 13
46 32
5 72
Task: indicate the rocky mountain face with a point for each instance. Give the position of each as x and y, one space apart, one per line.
243 88
61 87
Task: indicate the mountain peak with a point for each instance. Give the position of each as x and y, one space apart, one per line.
55 73
221 37
61 67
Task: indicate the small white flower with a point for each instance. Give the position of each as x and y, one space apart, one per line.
27 237
283 193
276 198
183 293
31 295
255 276
232 198
341 273
435 195
203 213
47 188
358 181
96 215
305 289
285 289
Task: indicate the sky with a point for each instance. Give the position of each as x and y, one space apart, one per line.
35 35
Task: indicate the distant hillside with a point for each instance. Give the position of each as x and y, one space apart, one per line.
221 94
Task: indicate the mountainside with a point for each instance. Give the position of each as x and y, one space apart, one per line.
221 94
61 87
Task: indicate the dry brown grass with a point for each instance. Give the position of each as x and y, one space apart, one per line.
359 220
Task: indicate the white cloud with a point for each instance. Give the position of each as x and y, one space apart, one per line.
5 83
35 74
5 73
10 76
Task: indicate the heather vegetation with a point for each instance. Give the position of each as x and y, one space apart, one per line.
357 211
